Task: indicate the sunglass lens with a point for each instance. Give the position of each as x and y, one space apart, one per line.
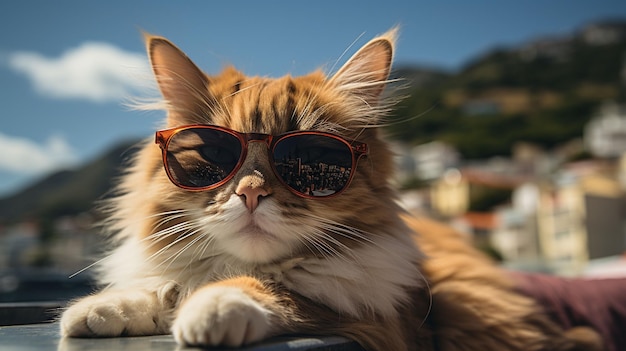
201 157
313 165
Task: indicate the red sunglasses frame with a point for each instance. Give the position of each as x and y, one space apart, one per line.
163 138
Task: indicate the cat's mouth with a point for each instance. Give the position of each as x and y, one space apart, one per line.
253 243
257 237
255 229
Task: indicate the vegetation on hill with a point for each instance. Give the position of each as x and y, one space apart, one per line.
544 93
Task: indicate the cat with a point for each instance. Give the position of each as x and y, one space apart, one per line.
242 253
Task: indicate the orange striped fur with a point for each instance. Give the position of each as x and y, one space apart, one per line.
204 267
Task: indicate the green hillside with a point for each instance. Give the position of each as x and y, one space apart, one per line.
543 92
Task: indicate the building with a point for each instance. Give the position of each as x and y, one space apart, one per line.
605 134
433 159
449 195
556 223
516 236
605 202
561 229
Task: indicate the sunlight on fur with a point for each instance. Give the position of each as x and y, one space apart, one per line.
217 267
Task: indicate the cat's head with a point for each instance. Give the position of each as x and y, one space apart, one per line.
266 221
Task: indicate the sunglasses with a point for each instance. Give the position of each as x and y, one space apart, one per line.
310 164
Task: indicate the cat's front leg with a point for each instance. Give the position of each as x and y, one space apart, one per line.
113 313
232 312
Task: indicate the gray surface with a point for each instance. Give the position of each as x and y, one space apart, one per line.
18 313
45 337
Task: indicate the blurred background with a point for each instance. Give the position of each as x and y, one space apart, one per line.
513 128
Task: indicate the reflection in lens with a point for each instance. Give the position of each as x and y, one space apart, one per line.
200 157
315 165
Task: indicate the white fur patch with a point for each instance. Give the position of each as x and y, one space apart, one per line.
372 279
112 313
220 316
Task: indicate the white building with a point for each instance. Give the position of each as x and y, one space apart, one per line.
605 135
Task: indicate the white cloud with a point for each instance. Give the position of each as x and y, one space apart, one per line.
94 71
24 156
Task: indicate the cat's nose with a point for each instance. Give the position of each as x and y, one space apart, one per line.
252 188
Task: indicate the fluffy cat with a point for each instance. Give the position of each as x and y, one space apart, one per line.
250 259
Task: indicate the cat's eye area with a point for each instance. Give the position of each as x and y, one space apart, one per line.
313 164
218 154
310 164
201 158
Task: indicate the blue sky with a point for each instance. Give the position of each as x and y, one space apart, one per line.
65 66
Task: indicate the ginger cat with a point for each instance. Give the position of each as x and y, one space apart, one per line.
266 208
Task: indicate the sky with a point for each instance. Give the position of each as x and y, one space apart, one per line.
69 68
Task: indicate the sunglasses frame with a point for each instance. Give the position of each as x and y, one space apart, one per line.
163 138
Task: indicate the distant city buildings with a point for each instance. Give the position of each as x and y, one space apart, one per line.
549 214
67 244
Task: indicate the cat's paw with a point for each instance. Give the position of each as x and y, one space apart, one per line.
221 316
110 314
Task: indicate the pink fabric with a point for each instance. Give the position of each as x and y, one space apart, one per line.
596 303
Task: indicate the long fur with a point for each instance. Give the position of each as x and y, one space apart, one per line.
213 271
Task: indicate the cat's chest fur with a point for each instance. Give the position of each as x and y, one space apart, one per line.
371 278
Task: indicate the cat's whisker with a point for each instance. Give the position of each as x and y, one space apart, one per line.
401 121
323 243
331 240
166 213
156 237
88 267
319 246
165 220
322 238
174 258
168 231
225 108
165 250
182 232
339 59
348 232
325 124
242 89
306 237
202 249
430 298
305 111
159 214
344 230
302 238
307 118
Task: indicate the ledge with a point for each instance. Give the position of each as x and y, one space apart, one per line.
45 337
18 313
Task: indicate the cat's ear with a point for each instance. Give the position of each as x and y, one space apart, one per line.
366 72
181 82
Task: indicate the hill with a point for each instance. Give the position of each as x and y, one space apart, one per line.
67 192
543 91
